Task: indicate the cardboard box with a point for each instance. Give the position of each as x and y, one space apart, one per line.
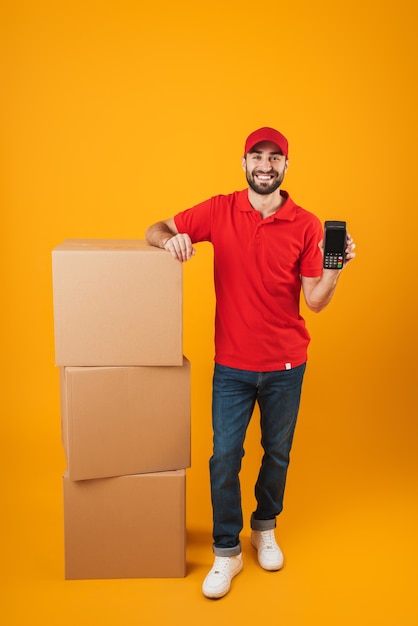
116 302
125 420
125 527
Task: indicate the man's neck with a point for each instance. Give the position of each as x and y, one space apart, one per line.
267 204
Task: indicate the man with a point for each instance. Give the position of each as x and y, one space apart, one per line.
266 249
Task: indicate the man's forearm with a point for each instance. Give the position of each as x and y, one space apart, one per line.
158 234
321 295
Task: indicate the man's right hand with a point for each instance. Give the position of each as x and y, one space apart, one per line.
180 247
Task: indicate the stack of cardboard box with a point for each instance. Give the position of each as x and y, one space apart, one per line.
125 406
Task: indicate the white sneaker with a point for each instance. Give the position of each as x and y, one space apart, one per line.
269 554
218 582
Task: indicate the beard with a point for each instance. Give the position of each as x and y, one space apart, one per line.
265 188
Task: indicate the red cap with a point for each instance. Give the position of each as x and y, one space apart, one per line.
267 134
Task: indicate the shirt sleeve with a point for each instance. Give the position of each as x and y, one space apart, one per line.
311 260
196 221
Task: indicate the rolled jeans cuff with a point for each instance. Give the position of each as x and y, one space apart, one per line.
227 551
262 524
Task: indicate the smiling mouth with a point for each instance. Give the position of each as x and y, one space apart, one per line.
264 178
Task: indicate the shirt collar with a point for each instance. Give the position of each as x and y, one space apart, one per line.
286 212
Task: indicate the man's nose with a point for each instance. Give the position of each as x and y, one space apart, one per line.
265 163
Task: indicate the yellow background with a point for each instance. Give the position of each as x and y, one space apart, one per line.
117 114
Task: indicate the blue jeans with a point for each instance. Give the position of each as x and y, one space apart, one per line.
235 393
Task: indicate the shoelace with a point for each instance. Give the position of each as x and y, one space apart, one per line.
267 539
221 565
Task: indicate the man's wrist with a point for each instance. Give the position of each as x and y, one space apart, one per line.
330 277
165 240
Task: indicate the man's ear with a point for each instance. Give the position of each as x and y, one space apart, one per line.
244 162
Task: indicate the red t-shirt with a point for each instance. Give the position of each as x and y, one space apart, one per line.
257 268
